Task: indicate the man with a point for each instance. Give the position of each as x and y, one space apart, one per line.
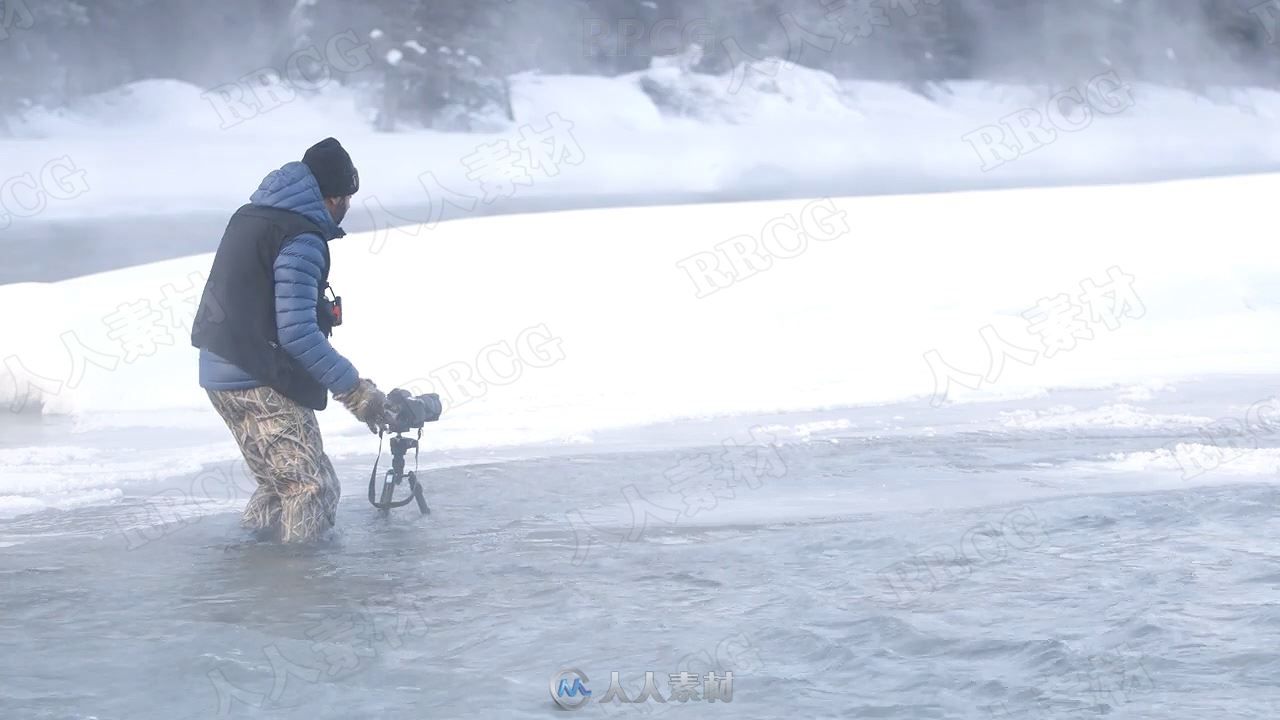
263 328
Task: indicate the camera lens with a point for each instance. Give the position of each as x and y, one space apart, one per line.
431 407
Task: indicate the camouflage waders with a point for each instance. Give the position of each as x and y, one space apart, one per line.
298 490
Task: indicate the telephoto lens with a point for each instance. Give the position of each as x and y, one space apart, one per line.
432 406
406 412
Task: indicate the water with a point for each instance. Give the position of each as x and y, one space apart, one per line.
48 250
978 561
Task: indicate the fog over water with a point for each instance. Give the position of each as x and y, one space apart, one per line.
904 358
54 51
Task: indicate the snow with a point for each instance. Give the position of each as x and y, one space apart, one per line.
563 334
1191 460
874 285
552 327
1110 416
761 90
761 132
606 101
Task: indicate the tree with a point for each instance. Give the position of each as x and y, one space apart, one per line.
444 63
35 38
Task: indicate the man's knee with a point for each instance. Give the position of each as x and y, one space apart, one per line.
295 459
301 487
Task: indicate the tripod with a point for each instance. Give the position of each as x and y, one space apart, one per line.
400 445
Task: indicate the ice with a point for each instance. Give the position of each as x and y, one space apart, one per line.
67 476
1109 416
1190 460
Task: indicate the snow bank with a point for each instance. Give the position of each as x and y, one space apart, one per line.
552 327
165 147
597 101
754 92
552 324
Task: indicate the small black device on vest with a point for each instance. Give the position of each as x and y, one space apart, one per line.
331 307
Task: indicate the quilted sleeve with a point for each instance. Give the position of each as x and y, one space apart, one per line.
297 285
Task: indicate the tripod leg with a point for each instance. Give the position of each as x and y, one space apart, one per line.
417 494
388 491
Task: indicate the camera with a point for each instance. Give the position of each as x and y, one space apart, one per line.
403 412
406 412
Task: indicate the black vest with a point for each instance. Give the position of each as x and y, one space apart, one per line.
237 315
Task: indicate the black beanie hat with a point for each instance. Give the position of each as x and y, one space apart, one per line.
332 167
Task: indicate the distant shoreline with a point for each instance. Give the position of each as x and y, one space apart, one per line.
50 250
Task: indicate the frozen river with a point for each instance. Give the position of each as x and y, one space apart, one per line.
1061 557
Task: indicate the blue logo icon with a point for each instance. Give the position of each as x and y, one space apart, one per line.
572 690
569 689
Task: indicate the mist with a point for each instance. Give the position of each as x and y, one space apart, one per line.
888 358
428 60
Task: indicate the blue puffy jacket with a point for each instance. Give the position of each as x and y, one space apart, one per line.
297 283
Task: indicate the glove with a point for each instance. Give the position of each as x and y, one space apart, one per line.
367 403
